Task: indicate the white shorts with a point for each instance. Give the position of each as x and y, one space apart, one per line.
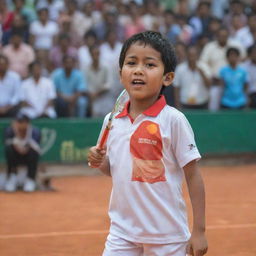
116 246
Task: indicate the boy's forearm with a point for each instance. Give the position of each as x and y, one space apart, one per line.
197 195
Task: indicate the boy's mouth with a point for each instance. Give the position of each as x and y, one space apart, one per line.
138 82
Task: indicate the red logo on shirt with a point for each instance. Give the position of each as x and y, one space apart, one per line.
146 148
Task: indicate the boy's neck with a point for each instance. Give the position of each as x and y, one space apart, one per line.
137 107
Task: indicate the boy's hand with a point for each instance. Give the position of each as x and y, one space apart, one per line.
96 156
197 245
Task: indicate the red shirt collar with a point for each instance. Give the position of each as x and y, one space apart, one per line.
153 110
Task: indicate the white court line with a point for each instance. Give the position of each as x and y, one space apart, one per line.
101 232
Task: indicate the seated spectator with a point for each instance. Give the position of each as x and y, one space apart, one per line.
185 30
191 90
60 50
71 90
37 94
43 33
110 22
135 24
234 80
21 9
6 16
170 28
9 89
54 7
98 85
22 147
18 24
250 67
19 54
84 56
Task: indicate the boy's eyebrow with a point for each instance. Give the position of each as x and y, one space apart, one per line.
147 58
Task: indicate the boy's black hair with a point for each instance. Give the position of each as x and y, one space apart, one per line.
157 42
231 50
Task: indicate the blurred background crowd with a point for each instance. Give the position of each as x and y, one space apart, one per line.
59 58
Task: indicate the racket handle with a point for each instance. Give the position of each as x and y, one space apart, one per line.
104 138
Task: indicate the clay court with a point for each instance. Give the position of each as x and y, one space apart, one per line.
73 219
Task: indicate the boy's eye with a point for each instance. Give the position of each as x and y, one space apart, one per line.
150 65
130 63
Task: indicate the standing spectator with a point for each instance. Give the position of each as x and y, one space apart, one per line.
60 50
247 35
234 79
37 94
84 56
71 90
19 54
43 34
22 147
214 55
109 56
9 89
250 67
235 7
191 90
200 22
98 85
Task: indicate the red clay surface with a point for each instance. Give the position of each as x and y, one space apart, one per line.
74 221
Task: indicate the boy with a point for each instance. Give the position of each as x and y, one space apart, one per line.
148 146
234 79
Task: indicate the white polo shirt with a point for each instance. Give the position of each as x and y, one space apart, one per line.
146 159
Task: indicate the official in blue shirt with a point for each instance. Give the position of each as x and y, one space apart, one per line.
234 79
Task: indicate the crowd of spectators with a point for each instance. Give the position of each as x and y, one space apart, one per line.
59 58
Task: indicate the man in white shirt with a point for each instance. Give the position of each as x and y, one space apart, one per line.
247 35
192 89
9 89
37 94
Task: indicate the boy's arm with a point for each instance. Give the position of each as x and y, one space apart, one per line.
197 244
97 159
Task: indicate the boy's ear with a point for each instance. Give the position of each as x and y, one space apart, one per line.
168 78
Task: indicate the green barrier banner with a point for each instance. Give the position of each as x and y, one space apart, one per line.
68 140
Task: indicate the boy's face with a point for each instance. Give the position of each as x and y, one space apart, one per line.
233 58
142 73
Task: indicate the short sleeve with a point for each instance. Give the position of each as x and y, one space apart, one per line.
183 142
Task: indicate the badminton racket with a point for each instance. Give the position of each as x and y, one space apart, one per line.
118 107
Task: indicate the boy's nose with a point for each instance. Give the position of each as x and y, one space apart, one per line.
138 70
